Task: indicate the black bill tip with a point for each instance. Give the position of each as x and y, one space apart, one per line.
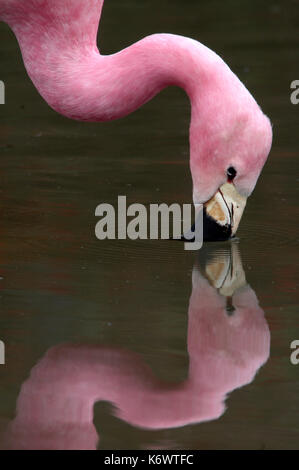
213 231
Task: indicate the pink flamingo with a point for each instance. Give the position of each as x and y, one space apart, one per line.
230 137
55 405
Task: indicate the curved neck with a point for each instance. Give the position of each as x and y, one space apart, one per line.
62 59
58 44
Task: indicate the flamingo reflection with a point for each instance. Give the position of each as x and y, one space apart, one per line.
228 341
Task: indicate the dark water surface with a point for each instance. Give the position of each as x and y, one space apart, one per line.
158 347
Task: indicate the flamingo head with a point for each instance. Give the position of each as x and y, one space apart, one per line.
230 139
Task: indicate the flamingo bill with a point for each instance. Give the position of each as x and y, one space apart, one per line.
223 213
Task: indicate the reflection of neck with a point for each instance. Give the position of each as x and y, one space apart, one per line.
55 406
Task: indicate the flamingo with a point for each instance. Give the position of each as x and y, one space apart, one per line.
227 345
230 137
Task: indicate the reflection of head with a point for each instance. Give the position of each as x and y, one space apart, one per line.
226 348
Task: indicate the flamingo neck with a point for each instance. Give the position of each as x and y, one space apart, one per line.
70 21
66 67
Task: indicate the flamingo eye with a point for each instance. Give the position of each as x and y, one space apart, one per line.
231 173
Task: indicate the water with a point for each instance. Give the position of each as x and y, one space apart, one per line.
115 314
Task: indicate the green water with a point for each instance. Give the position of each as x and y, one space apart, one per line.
59 284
